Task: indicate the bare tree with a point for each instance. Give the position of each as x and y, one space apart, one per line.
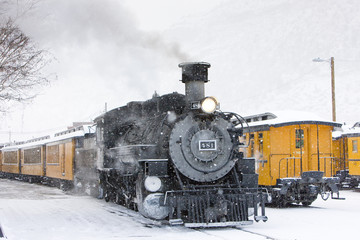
21 65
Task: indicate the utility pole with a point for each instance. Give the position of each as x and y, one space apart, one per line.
333 89
331 60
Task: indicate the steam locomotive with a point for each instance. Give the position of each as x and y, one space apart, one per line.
177 157
173 157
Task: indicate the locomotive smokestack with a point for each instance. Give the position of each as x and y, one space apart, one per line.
194 75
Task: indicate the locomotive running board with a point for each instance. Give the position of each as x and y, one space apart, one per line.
218 224
178 222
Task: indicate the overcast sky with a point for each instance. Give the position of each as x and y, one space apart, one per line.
116 51
158 15
107 51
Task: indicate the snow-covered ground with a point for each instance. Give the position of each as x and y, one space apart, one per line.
30 211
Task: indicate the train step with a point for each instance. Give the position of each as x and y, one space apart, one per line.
337 197
259 218
176 222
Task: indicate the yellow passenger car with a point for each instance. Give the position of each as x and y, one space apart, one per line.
346 147
10 161
61 155
294 155
49 159
354 155
33 159
25 160
60 159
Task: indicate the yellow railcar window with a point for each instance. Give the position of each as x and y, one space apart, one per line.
299 138
52 155
354 146
32 155
10 157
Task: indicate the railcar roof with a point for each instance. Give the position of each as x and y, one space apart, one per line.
286 118
66 134
346 131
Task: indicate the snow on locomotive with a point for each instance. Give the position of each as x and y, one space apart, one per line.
177 157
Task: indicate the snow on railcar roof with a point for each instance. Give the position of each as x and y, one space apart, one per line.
26 144
349 131
286 117
78 131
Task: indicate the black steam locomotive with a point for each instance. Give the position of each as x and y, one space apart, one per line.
177 157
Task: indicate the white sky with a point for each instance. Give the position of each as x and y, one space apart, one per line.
162 14
116 51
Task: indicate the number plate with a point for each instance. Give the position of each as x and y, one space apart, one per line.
207 145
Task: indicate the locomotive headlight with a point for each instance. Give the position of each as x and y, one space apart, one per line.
209 104
152 183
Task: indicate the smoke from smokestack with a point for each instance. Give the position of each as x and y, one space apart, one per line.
101 56
156 42
82 22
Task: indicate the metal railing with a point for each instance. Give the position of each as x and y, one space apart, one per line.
287 165
270 161
332 160
292 172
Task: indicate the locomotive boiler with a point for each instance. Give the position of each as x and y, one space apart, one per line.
177 157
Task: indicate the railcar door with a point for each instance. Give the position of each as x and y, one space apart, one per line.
354 156
62 158
299 149
322 153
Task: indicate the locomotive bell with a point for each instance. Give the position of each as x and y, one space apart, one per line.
194 75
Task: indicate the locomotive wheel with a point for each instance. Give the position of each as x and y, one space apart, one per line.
278 200
325 192
282 203
139 193
118 199
94 191
129 204
107 197
122 200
